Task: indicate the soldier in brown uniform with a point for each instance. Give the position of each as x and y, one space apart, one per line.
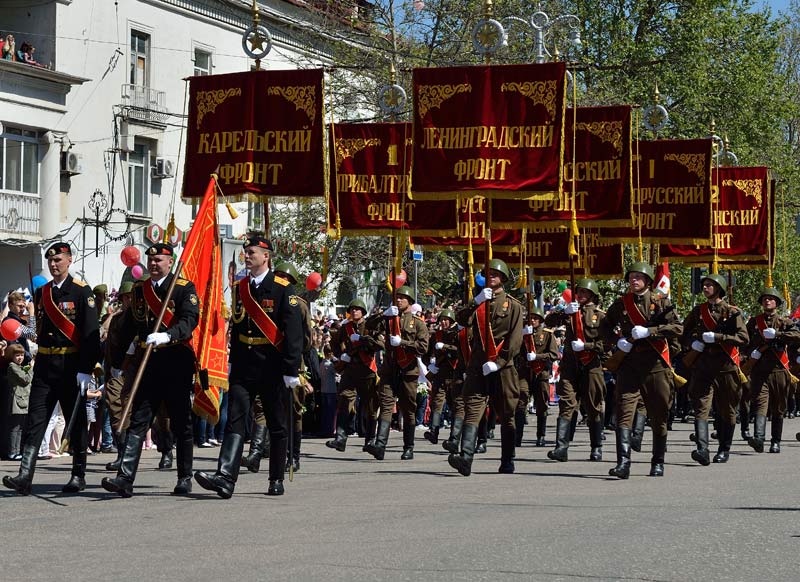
716 330
581 369
491 372
408 339
770 336
355 347
443 362
462 342
642 324
541 350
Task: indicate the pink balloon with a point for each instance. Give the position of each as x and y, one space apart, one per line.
313 281
11 329
130 256
137 271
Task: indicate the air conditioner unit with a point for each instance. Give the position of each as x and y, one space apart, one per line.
164 168
71 163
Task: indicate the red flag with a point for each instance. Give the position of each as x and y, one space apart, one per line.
202 260
662 279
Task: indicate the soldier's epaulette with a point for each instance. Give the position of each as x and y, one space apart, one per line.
298 298
514 299
79 283
281 281
598 310
182 282
548 330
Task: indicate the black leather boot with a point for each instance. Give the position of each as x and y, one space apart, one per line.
275 487
541 430
462 462
562 440
294 462
454 441
519 422
777 433
166 460
120 442
224 480
257 449
408 442
433 434
508 440
759 433
77 482
573 425
27 466
701 439
725 434
339 442
623 468
596 437
483 436
637 431
378 448
122 484
369 432
657 461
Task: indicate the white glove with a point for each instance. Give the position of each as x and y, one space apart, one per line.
770 333
116 373
709 337
291 381
698 346
578 345
489 368
484 295
755 354
439 346
84 381
527 330
354 337
391 311
640 332
433 369
395 340
345 358
624 345
531 357
573 307
158 339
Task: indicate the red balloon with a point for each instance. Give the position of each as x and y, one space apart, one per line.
11 329
401 278
313 281
130 256
567 295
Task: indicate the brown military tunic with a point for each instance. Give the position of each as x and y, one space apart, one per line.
359 375
769 379
447 363
536 374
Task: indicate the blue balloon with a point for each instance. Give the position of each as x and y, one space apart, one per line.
37 282
480 281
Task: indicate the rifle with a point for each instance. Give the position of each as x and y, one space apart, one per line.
615 361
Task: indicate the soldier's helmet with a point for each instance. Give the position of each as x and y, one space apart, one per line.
538 313
408 292
589 285
770 292
720 281
500 266
641 267
357 304
288 269
448 314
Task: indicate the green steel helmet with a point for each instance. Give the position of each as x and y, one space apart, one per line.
448 313
770 292
641 267
720 281
537 312
357 304
589 285
499 265
126 287
408 292
288 268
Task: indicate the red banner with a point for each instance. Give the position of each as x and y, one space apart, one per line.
602 171
496 129
471 229
370 177
597 259
744 210
261 132
672 193
542 246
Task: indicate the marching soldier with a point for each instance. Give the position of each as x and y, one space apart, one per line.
69 347
443 364
265 357
408 340
455 397
770 380
117 389
716 331
169 375
491 372
541 350
355 347
581 369
642 324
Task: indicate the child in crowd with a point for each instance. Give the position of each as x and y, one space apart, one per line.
93 396
19 379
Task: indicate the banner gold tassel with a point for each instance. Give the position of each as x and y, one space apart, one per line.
786 296
325 262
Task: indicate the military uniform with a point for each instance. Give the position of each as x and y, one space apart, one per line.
442 365
455 400
69 344
536 373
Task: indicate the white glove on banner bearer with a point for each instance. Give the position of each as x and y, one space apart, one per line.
158 339
527 330
578 345
391 311
439 346
709 337
624 345
531 357
354 337
345 358
755 354
770 333
698 346
640 332
395 340
489 368
573 307
484 295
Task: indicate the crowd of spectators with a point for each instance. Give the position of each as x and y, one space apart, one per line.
22 54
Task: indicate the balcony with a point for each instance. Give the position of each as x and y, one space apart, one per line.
144 104
19 215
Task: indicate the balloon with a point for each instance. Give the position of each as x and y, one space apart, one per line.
401 278
11 329
561 286
137 271
313 281
480 280
567 295
130 256
38 281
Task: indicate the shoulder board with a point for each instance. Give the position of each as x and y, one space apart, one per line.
281 281
182 282
548 330
598 310
78 282
297 297
514 299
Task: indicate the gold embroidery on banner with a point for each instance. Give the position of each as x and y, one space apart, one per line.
749 187
207 101
695 163
347 148
608 131
432 96
540 92
302 97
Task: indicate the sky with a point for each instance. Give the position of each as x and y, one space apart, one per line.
776 5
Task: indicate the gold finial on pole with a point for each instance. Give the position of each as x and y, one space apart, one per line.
256 22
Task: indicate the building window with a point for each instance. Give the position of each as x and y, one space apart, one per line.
140 58
19 161
139 180
202 63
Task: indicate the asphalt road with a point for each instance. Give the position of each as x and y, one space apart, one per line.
349 517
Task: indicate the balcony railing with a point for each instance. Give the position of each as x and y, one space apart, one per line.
144 104
19 213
